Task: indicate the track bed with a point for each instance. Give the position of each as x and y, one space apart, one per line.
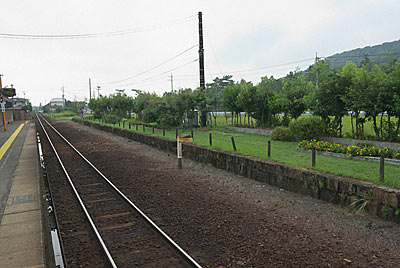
129 239
224 220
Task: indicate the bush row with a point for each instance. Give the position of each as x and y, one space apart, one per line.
300 129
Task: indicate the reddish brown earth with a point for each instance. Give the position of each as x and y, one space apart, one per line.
224 220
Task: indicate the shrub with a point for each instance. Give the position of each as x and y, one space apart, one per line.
307 128
111 118
282 134
65 114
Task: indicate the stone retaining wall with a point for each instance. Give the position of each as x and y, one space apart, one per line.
383 202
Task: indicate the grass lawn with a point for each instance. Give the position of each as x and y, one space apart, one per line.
284 152
62 115
368 126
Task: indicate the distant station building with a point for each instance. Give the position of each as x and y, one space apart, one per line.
55 103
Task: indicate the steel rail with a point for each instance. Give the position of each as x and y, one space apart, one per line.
109 257
160 231
58 248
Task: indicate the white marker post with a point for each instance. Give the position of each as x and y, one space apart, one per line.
179 141
179 152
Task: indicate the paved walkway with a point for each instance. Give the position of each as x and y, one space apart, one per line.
10 150
21 238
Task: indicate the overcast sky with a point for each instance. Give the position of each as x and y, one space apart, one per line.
238 36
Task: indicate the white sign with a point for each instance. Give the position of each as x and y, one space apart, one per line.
3 108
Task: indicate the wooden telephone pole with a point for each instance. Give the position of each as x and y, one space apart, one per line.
203 117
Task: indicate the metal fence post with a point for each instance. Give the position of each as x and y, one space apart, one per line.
313 156
382 168
233 143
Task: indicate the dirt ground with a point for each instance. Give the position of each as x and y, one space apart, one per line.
225 220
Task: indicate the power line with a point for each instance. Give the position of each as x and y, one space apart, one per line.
171 69
154 67
92 35
195 79
154 76
255 69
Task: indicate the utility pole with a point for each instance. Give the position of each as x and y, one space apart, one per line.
172 83
203 117
316 73
98 92
90 90
3 106
62 89
12 103
201 52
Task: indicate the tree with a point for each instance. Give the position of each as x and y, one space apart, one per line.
215 89
214 93
325 99
121 105
100 106
295 88
142 100
265 101
247 98
185 103
350 98
200 101
117 104
394 86
375 97
230 100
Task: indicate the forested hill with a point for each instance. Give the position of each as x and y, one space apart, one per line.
378 54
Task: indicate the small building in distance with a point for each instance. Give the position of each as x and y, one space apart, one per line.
56 103
20 102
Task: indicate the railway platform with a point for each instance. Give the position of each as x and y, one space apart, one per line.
21 234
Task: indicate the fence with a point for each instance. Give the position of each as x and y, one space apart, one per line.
336 189
261 146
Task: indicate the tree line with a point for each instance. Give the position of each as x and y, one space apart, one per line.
367 92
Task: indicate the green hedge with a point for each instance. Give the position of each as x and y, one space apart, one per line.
307 128
111 118
282 134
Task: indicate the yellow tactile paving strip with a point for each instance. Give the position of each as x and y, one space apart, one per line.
7 144
21 243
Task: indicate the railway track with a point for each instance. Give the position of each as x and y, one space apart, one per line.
123 234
